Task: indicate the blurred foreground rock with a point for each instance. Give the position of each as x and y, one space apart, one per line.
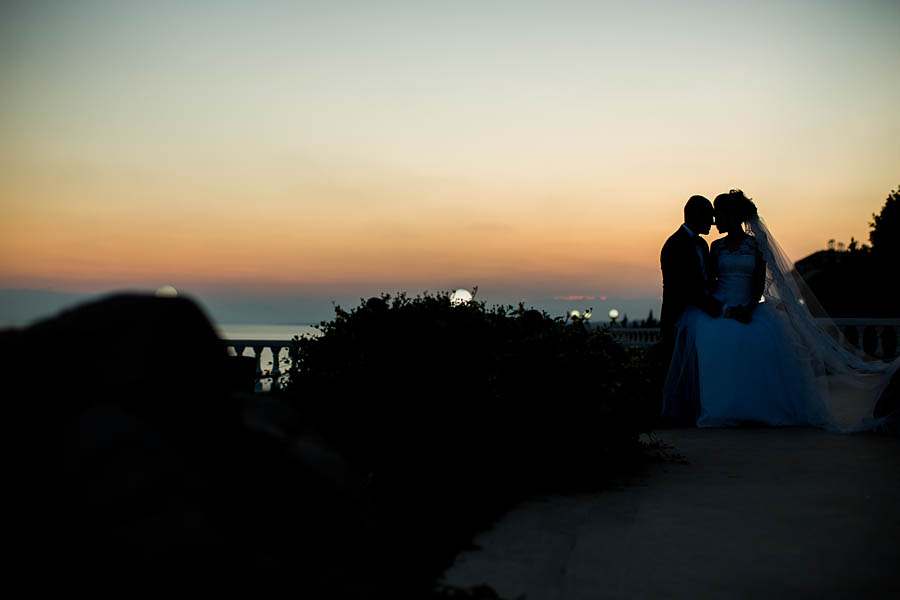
134 460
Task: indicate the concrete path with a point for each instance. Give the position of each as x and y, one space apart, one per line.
755 513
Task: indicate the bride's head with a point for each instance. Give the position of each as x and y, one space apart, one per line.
733 210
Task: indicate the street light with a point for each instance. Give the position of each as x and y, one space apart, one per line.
613 315
461 296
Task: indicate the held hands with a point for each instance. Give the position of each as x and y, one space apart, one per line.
738 313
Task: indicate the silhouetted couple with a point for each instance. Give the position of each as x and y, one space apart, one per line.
736 359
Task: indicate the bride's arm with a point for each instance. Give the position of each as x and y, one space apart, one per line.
759 281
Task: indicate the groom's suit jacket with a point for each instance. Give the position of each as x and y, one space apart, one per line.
684 279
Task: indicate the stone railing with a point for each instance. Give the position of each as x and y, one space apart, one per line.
267 352
642 337
877 336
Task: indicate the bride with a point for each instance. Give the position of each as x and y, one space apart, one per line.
769 359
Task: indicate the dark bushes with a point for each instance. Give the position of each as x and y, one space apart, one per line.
453 413
407 427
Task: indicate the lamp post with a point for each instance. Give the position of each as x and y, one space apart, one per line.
613 315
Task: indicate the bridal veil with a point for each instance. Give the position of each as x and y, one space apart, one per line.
848 382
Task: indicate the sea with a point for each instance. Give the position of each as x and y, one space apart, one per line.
236 331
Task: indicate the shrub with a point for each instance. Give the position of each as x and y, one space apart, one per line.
504 394
455 412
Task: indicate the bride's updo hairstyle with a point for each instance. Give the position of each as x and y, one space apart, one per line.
737 204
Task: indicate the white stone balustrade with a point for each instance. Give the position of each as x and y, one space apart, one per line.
644 337
881 326
263 350
641 337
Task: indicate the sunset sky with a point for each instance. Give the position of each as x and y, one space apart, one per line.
324 150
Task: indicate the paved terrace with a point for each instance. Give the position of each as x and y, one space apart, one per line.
754 513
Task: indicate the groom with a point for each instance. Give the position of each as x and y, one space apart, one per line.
685 264
685 267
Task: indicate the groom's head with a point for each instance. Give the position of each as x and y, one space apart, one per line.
698 214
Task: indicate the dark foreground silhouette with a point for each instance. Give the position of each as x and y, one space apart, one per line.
406 429
138 459
136 462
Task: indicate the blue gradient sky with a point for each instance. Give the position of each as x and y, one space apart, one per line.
281 150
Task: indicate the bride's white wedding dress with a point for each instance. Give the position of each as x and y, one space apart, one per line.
785 367
746 373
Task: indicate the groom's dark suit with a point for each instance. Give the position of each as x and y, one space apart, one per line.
684 279
685 265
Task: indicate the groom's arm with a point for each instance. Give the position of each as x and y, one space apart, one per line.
759 282
684 281
712 275
702 297
707 303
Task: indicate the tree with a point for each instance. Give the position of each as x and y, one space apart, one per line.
885 234
854 246
853 284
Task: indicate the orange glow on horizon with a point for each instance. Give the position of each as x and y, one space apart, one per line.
511 238
306 147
